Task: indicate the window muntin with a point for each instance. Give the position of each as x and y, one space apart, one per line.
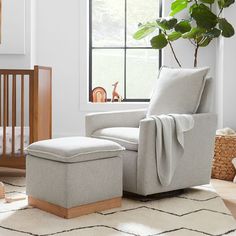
115 55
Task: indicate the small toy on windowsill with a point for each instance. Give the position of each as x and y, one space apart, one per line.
115 94
99 95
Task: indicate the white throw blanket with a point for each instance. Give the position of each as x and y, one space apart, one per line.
170 143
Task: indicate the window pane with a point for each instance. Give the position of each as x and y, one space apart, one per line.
108 24
108 67
142 70
140 12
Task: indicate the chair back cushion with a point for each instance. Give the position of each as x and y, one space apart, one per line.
207 97
177 91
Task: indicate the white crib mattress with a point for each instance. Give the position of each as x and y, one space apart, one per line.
17 139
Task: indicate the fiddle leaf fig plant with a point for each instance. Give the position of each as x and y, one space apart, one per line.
200 26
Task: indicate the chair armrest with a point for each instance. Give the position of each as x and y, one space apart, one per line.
204 125
199 142
128 118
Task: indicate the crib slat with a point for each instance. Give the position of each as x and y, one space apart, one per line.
0 100
5 94
7 100
13 113
22 115
31 108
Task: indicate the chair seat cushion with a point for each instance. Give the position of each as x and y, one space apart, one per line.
74 149
125 136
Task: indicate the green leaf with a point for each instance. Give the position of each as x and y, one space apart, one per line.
167 23
159 41
145 30
183 26
221 4
192 7
174 36
177 6
226 27
213 33
206 42
204 17
193 33
225 3
208 1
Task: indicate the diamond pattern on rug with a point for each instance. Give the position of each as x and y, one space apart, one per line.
196 211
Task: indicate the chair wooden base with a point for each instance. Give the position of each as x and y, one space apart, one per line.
75 211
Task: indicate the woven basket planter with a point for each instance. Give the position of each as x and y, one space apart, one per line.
225 152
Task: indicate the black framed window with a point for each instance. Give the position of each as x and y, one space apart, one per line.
113 53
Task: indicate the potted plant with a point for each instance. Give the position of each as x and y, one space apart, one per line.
200 26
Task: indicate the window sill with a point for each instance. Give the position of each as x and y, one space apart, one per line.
112 106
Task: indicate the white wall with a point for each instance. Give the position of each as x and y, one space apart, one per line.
228 75
57 44
21 61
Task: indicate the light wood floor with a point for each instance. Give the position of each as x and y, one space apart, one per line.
227 190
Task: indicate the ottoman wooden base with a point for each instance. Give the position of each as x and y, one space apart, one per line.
75 211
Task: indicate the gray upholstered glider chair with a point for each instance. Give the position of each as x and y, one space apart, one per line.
136 133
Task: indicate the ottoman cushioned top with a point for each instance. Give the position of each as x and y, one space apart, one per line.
74 149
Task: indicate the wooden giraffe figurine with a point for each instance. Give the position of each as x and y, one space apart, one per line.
115 94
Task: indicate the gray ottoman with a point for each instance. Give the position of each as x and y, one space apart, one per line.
74 176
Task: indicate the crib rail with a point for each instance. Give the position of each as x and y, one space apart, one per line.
16 72
25 104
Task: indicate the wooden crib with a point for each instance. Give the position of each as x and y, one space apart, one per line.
25 112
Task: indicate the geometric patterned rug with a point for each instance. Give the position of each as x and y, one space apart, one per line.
196 211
